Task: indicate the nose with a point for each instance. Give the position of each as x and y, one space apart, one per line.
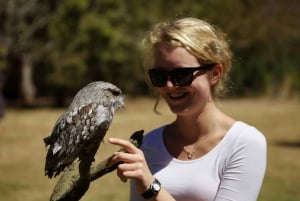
169 82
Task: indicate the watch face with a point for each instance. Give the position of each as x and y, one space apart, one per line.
156 187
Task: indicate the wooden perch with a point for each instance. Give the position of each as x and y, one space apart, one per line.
75 180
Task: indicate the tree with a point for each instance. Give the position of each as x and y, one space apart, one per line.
72 42
24 38
265 36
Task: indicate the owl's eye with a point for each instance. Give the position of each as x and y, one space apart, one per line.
115 92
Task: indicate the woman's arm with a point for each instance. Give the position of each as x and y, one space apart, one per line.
244 171
135 167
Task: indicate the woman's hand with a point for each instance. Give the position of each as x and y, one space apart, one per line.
133 165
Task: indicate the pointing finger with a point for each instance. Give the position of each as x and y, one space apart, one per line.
128 146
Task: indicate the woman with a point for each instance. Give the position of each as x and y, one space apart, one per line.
204 155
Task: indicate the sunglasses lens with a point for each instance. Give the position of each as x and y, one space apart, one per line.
158 77
179 77
182 77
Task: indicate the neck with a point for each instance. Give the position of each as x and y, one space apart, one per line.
193 135
192 128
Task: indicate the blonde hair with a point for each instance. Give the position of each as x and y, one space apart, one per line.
197 36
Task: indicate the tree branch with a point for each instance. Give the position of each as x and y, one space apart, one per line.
74 182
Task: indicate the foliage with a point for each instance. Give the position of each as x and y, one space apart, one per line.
79 41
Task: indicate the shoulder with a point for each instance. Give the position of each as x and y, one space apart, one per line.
247 134
154 135
153 145
244 140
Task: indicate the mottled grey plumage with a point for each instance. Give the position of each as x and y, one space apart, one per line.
86 121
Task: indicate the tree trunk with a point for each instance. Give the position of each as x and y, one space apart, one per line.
27 85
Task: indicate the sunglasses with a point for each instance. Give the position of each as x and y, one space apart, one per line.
178 76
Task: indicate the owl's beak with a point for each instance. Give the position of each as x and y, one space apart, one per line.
119 103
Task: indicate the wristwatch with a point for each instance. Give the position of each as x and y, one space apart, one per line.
154 188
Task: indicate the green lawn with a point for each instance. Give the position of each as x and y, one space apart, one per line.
22 152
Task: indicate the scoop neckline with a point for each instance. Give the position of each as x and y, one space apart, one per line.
214 149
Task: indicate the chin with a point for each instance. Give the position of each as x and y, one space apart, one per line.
185 109
180 111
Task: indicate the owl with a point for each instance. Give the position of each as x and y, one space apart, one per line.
83 124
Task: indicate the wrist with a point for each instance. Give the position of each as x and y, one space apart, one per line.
152 190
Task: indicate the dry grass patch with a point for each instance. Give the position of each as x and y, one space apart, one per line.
22 152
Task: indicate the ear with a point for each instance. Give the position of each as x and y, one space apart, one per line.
215 74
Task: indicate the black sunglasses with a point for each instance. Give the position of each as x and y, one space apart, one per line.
178 76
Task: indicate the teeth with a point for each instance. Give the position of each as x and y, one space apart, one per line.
176 95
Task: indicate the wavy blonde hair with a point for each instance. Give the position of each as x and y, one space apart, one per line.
199 38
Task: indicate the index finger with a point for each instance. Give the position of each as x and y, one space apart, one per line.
127 145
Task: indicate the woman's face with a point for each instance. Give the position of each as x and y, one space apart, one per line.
182 100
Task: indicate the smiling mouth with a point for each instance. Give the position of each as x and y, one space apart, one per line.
178 95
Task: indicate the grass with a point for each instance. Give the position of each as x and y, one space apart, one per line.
22 152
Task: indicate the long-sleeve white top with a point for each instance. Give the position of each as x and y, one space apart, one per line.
232 171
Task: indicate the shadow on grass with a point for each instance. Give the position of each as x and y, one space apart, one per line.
290 144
